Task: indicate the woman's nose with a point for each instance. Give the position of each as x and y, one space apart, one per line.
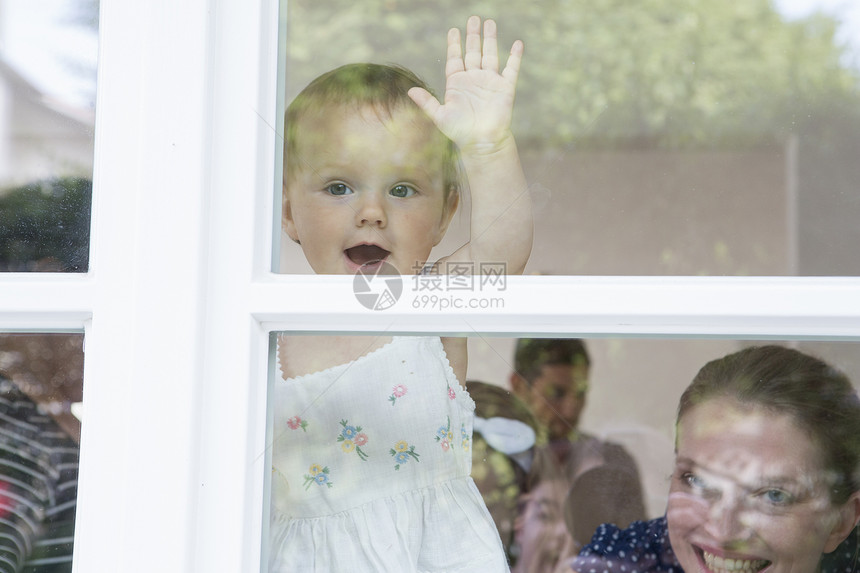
727 519
371 211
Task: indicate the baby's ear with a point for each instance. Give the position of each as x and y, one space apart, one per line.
287 222
848 518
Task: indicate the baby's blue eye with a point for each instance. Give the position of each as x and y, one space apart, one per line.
402 191
338 189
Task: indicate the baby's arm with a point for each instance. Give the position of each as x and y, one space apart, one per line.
476 115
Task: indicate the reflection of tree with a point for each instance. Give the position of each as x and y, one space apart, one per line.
45 226
671 72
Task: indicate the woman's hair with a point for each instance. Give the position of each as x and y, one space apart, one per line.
819 398
380 87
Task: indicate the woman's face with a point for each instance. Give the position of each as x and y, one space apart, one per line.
748 493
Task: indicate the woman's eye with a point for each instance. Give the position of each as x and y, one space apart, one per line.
777 497
402 191
338 189
695 482
692 480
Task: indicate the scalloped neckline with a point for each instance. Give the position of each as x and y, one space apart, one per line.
300 378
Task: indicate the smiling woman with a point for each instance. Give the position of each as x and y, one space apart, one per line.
767 474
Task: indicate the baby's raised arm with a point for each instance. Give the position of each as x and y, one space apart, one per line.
476 115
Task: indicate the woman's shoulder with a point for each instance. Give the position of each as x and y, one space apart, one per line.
643 546
846 557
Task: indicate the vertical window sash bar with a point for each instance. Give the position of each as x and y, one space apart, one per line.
143 346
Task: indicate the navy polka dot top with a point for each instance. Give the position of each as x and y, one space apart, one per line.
644 548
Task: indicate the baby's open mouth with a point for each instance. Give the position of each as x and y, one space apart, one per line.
724 565
364 254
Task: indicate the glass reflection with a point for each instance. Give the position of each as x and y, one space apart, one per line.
47 110
673 138
570 434
40 391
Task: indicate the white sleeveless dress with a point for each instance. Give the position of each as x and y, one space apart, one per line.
371 463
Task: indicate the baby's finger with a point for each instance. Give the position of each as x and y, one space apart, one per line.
512 68
472 57
454 60
424 100
490 57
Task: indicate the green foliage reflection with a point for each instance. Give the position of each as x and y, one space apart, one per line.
674 73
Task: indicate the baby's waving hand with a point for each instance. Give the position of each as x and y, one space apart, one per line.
478 102
476 115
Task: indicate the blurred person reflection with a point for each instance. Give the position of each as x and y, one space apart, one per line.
502 450
543 542
39 380
552 377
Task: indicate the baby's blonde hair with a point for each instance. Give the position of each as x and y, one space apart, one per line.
380 87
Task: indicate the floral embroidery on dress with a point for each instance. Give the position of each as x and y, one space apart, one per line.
467 439
402 451
295 423
451 393
445 436
352 438
318 475
397 392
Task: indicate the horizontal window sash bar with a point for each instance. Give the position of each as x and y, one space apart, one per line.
725 307
40 302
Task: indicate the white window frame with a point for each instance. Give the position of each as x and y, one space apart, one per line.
179 303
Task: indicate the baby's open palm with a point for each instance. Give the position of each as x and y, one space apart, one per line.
478 99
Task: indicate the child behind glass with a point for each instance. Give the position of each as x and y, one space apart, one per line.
372 445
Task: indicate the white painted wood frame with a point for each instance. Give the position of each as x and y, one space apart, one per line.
179 302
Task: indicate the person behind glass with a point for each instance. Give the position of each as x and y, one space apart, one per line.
542 540
38 465
502 449
371 452
766 478
552 376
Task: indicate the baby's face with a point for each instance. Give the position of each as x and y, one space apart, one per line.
368 188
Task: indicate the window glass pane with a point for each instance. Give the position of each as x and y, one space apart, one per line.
670 138
566 433
48 54
40 396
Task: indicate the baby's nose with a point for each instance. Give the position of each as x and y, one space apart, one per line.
371 211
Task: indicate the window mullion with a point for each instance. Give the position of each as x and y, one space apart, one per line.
143 345
232 408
